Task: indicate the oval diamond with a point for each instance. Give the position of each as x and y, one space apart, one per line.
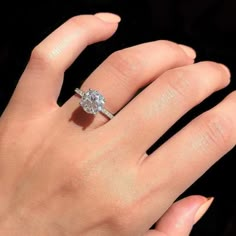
92 102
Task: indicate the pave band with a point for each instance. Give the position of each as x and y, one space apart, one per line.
93 102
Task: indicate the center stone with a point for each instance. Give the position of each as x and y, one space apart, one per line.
92 102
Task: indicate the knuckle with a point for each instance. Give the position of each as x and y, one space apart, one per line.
78 20
41 58
127 65
179 84
217 129
183 80
75 19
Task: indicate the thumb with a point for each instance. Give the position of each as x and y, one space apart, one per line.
181 216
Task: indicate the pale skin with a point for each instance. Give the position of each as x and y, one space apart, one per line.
67 173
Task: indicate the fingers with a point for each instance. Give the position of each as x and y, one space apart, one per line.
181 216
163 102
126 71
40 84
187 155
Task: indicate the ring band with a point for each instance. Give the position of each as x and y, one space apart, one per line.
93 102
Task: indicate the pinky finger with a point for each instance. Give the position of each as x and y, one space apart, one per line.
181 216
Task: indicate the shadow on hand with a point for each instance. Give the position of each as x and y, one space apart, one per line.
81 118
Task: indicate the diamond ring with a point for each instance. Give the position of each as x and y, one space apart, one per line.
93 102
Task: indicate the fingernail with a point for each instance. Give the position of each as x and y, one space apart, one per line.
189 51
203 209
108 17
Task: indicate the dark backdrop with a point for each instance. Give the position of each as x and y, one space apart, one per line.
207 25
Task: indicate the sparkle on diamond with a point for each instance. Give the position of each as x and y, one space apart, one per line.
92 102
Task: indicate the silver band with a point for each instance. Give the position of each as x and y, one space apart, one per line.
93 102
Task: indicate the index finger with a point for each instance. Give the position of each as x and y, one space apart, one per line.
40 84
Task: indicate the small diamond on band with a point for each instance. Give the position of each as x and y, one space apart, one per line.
93 102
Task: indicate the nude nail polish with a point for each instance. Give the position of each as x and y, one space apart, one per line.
203 209
189 51
108 17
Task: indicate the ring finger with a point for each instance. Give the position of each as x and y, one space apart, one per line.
128 70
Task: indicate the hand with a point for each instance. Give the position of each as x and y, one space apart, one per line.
65 172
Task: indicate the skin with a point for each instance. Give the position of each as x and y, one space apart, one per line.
66 173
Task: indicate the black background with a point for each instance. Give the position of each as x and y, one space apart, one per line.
208 26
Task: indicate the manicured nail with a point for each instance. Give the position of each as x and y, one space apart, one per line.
203 209
108 17
189 51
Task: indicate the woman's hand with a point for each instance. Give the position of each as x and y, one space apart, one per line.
65 172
